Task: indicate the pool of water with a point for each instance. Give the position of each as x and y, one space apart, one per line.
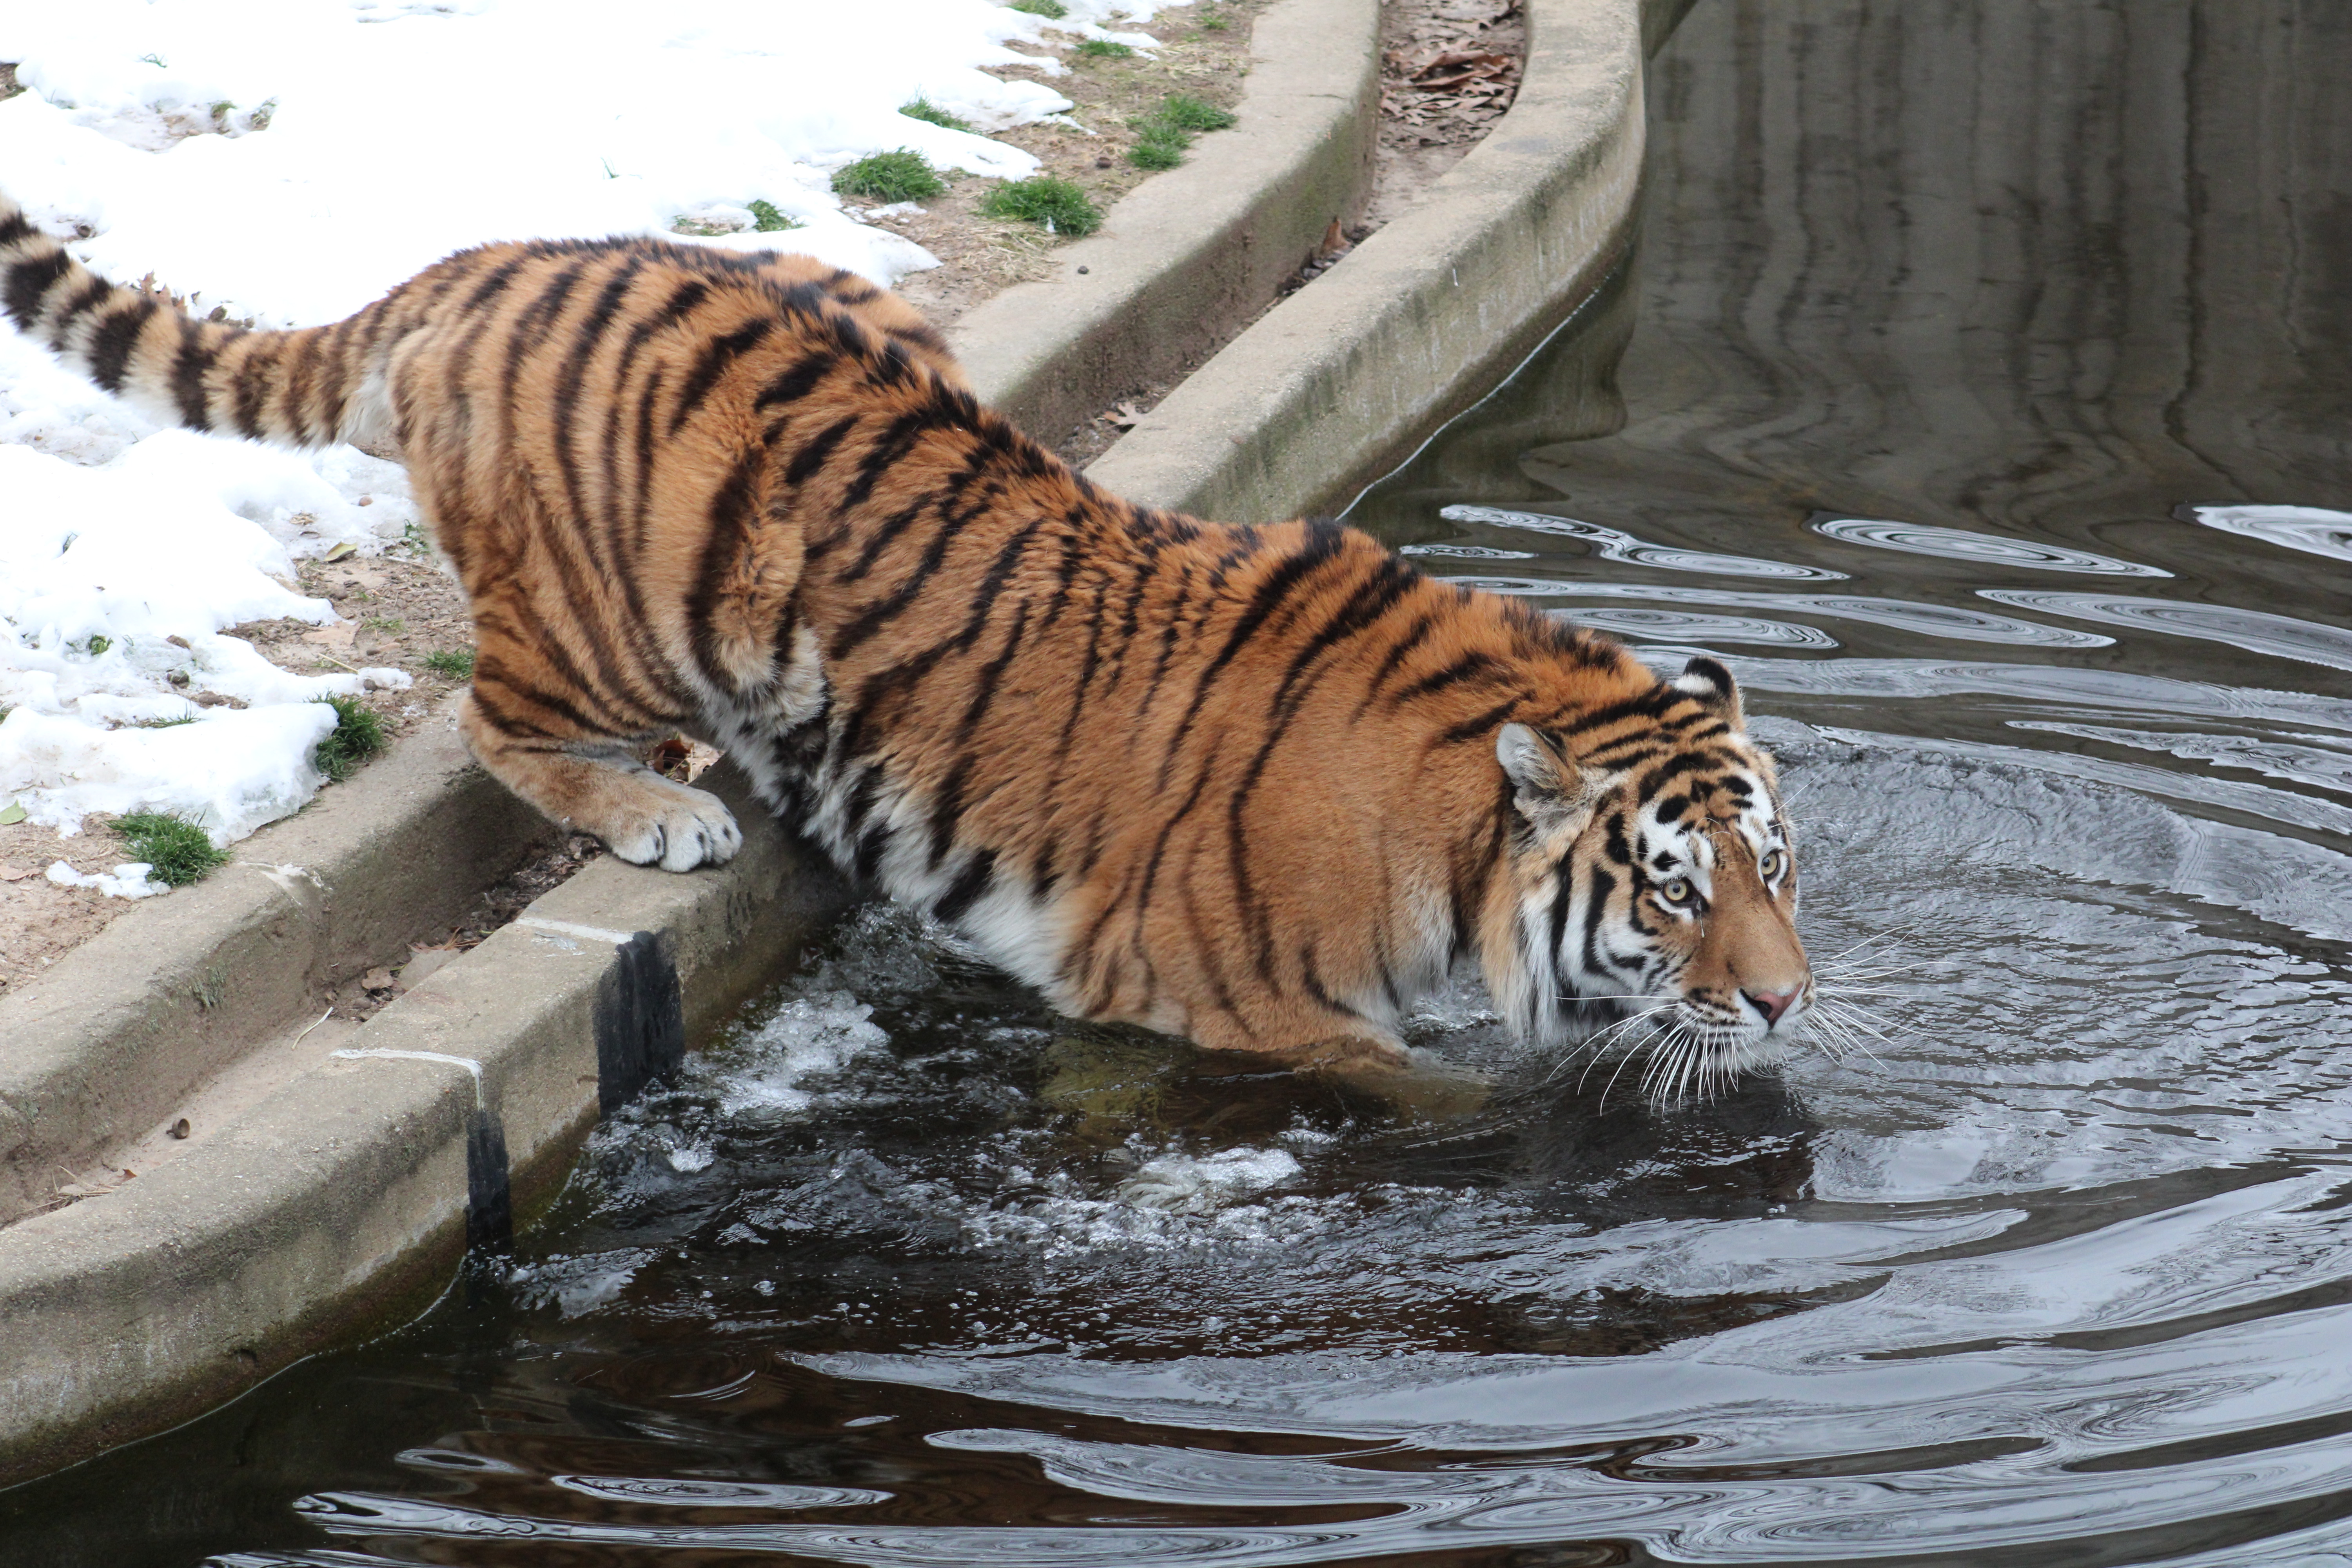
1979 393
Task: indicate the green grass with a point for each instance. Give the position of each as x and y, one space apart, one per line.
455 663
99 645
1052 10
390 626
163 723
1213 23
1055 205
930 113
1164 133
177 850
358 735
1103 49
767 219
1189 113
900 175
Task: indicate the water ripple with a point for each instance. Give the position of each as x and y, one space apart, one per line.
1615 545
2313 530
2256 631
1953 621
1978 549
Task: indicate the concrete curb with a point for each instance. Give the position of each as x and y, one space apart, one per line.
118 1031
1190 256
1412 327
340 1201
340 1193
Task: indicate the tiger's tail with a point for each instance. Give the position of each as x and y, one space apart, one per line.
307 387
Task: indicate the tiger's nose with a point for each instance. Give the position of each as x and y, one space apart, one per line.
1772 1004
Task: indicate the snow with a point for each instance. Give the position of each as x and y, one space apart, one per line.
288 161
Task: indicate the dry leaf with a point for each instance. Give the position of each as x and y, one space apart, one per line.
11 815
376 979
340 551
14 873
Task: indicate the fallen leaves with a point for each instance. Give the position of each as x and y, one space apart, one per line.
1453 72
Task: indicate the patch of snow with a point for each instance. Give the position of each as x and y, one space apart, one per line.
288 160
128 880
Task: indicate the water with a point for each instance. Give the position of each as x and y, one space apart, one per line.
1943 312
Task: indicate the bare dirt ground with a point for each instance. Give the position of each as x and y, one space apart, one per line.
1449 69
1204 53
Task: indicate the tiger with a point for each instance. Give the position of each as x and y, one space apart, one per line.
1260 787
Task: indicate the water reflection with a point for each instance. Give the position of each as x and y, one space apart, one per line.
1933 302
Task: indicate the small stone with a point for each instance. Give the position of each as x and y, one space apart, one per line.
376 979
1082 269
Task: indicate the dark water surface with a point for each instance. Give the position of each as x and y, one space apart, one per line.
1942 314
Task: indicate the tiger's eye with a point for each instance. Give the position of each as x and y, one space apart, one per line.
1772 865
1678 892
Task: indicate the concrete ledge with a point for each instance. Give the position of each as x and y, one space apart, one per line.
104 1046
1192 254
1415 324
341 1200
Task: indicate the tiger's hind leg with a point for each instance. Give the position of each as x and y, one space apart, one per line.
592 782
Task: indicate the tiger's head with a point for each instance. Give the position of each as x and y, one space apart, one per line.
1655 886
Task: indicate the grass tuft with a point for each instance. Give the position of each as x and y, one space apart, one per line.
1213 23
1189 113
902 175
1164 133
1103 49
358 735
1052 10
930 113
1055 205
767 219
177 850
453 663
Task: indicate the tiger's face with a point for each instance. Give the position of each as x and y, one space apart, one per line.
1657 888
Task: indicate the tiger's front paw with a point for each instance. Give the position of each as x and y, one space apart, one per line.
672 826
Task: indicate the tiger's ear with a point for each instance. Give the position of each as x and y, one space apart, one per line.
1551 791
1711 683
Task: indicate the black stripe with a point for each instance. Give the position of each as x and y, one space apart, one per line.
797 381
730 536
716 355
818 451
94 294
1472 727
15 226
892 444
965 890
188 367
253 377
1469 667
1595 910
1323 542
28 281
976 463
117 335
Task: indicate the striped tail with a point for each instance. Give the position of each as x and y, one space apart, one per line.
304 388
